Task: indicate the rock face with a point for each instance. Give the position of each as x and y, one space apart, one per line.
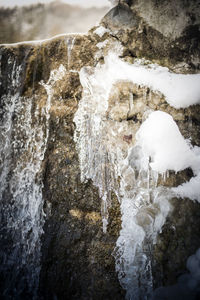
55 191
164 32
76 255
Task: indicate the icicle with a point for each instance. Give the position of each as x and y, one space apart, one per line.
104 212
70 44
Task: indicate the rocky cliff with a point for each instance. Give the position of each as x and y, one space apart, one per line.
73 117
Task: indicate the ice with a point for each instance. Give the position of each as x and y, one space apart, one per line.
131 168
70 44
160 139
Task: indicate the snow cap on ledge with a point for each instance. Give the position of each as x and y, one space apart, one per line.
180 90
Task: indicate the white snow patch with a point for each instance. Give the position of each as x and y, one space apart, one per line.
101 30
161 141
190 189
180 90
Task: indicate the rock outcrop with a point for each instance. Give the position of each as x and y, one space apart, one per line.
52 84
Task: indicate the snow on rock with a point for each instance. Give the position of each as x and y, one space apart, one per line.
180 90
190 189
162 143
160 139
101 45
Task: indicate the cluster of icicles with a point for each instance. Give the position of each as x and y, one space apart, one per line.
117 164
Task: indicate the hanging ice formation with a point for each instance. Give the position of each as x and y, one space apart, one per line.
70 44
24 131
116 154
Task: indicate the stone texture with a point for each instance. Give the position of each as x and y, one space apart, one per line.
166 32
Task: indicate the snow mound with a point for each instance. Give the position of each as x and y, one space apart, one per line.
161 141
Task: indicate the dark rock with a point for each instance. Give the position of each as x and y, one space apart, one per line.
120 17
